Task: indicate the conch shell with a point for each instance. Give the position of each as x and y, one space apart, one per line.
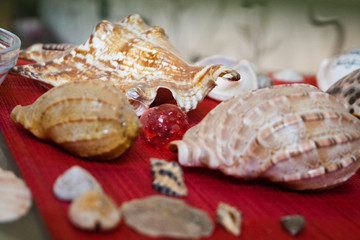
295 135
135 58
89 119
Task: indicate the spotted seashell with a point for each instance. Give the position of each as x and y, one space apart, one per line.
229 217
293 224
295 135
348 89
136 59
168 177
90 119
15 197
94 210
73 182
159 216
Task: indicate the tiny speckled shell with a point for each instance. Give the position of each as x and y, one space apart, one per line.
348 89
136 59
90 119
295 135
168 177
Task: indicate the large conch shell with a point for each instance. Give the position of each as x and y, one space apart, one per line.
89 119
295 135
135 58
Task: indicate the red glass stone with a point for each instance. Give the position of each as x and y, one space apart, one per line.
163 124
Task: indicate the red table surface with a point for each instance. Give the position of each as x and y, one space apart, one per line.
330 214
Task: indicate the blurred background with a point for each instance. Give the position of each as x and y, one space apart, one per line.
273 34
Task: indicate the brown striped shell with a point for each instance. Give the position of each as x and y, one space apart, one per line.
348 89
136 59
294 134
89 119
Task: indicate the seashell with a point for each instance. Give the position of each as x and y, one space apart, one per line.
89 119
158 216
73 182
293 224
136 59
333 69
229 217
295 135
348 89
15 197
227 89
94 210
45 52
168 177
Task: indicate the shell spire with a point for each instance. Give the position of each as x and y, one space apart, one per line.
136 59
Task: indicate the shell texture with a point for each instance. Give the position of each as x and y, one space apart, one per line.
159 216
348 89
294 134
45 52
73 182
168 177
90 119
15 197
94 210
135 58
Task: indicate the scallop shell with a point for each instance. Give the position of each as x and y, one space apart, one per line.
73 182
227 89
94 210
90 119
15 197
294 134
168 177
229 217
159 216
135 58
348 89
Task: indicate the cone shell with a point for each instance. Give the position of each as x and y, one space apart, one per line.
295 135
89 119
15 197
136 59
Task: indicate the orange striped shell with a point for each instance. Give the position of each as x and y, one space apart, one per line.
295 134
89 119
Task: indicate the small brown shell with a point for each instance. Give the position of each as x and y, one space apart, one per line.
159 216
348 89
15 197
168 177
295 135
229 217
89 119
293 224
94 210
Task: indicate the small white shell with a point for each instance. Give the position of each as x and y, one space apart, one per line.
94 210
229 217
74 182
227 89
15 197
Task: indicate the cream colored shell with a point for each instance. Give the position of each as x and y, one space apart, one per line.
90 119
136 59
295 135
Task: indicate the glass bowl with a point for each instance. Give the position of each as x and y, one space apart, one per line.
9 52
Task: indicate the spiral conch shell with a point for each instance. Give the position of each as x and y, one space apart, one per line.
295 135
135 58
89 119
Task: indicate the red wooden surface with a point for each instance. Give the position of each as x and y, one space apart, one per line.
331 214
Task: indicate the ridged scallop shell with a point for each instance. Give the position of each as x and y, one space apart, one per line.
73 182
348 89
295 135
94 210
90 119
168 177
135 58
15 197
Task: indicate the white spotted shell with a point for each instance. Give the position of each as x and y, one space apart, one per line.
294 134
